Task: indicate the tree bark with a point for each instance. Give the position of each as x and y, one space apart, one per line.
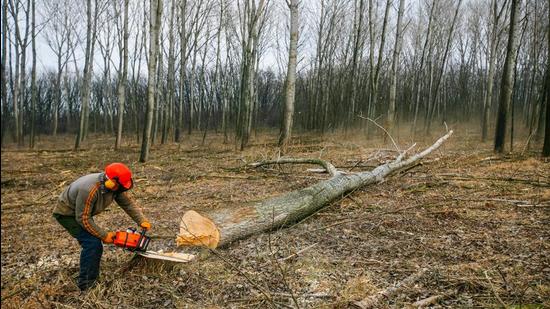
250 32
123 76
419 78
394 64
33 76
546 146
4 80
491 74
154 24
431 113
290 92
170 77
235 224
88 67
506 86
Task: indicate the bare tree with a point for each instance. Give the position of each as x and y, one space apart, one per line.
33 75
4 80
546 146
356 53
155 21
288 115
394 64
91 34
419 79
21 44
506 86
123 73
252 14
432 103
170 76
493 42
57 35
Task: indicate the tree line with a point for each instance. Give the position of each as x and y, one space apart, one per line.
156 70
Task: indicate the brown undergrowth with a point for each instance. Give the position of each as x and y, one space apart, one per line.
478 223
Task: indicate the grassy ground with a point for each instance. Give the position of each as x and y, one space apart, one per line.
478 223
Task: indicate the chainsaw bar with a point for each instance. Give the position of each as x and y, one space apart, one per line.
173 256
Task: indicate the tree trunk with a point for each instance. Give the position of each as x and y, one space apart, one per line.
33 76
88 67
506 86
123 76
170 91
419 79
154 24
252 15
4 80
357 50
491 74
546 146
435 93
394 63
290 92
235 224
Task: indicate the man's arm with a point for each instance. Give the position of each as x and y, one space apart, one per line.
127 203
83 212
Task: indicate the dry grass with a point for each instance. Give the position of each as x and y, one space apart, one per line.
478 222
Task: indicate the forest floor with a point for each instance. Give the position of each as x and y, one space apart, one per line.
477 222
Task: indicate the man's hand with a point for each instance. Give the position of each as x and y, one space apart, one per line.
109 238
145 225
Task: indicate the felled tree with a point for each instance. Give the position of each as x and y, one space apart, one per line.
220 228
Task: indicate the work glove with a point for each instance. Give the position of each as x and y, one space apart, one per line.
109 238
145 225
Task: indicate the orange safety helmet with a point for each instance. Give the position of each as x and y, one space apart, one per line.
118 173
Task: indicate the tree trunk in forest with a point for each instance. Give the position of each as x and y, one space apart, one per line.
290 91
159 101
491 74
154 25
376 77
506 86
123 76
19 89
394 63
170 77
88 68
419 78
284 210
249 44
357 49
431 113
4 80
183 63
33 76
546 146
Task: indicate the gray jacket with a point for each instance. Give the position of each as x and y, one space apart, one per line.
87 197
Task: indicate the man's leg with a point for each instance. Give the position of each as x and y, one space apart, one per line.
90 258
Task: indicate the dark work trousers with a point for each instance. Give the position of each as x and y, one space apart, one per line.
90 256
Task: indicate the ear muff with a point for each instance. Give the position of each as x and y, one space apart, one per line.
110 184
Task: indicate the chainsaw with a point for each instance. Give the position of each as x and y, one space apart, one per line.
132 240
137 242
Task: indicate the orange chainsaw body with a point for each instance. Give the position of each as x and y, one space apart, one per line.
131 240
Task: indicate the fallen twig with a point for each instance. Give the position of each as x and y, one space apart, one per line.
495 291
373 300
298 252
509 179
428 301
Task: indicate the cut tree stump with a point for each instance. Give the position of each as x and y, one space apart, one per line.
238 223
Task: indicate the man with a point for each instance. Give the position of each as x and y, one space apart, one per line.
86 197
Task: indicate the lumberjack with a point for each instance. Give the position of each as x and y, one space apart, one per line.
86 197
